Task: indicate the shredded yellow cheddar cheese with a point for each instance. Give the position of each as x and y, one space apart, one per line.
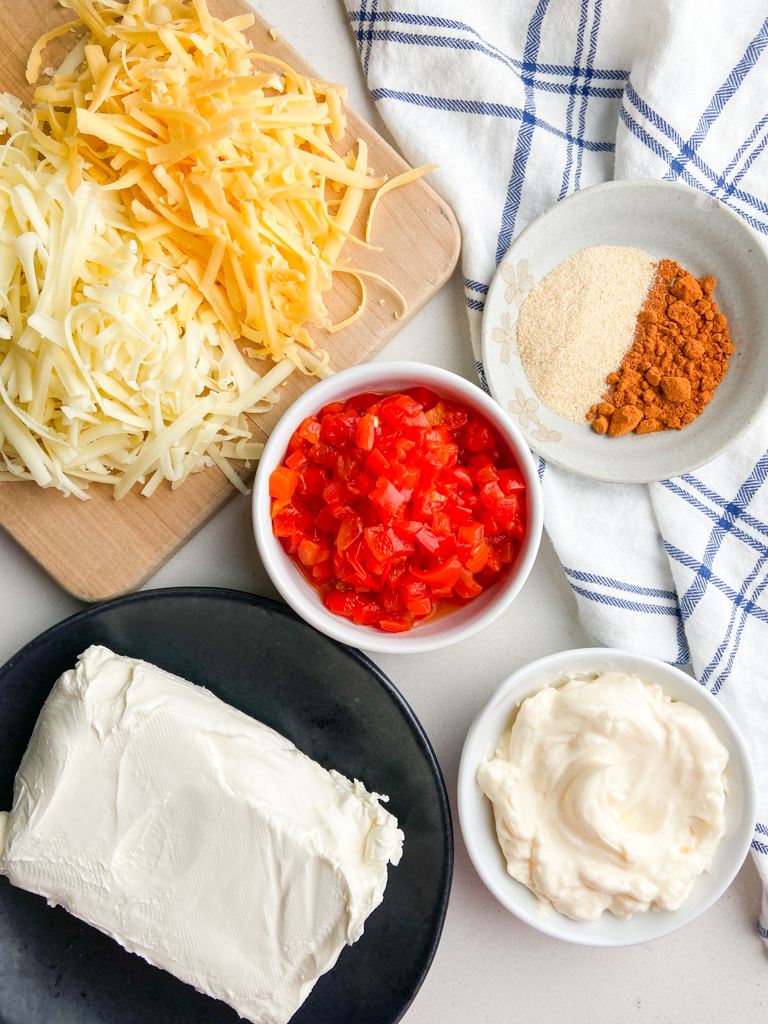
222 166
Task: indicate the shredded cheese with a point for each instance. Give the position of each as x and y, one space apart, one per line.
166 197
112 369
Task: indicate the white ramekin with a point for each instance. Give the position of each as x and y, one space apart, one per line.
476 815
287 577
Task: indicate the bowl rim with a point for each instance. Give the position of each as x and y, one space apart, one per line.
368 375
586 195
468 794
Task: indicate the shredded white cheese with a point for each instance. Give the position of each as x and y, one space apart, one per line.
112 368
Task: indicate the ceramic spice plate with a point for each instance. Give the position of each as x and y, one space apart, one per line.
667 220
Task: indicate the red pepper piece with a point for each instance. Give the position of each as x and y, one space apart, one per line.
363 485
341 604
490 495
458 475
327 521
282 483
396 623
334 490
494 562
285 524
478 557
362 403
291 543
405 478
511 481
309 429
377 464
324 455
349 531
366 613
312 480
365 435
486 518
384 543
507 508
436 414
458 514
392 600
424 397
339 429
471 534
397 572
441 524
387 497
506 550
456 419
487 475
478 437
322 572
427 540
331 409
297 458
444 576
467 587
313 551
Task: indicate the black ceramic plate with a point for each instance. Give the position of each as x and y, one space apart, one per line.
336 706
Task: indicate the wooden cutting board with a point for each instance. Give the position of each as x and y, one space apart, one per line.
101 548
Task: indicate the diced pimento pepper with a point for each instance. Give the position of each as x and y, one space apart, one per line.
392 504
282 483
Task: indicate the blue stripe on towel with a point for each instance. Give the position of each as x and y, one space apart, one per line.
726 92
572 100
524 137
713 516
741 151
530 67
620 602
724 526
452 43
631 588
660 150
588 75
486 109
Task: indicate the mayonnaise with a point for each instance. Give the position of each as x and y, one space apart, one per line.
608 795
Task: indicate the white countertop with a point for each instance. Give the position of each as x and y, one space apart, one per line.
489 966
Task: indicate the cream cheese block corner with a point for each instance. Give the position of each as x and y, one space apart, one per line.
194 835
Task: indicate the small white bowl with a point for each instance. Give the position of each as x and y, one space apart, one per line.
479 831
287 577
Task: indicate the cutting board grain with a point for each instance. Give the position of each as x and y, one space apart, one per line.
100 548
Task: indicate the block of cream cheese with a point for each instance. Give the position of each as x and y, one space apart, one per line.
193 835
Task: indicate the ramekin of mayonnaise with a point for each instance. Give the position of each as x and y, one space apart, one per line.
605 798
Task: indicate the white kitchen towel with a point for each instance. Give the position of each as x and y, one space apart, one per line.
521 103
